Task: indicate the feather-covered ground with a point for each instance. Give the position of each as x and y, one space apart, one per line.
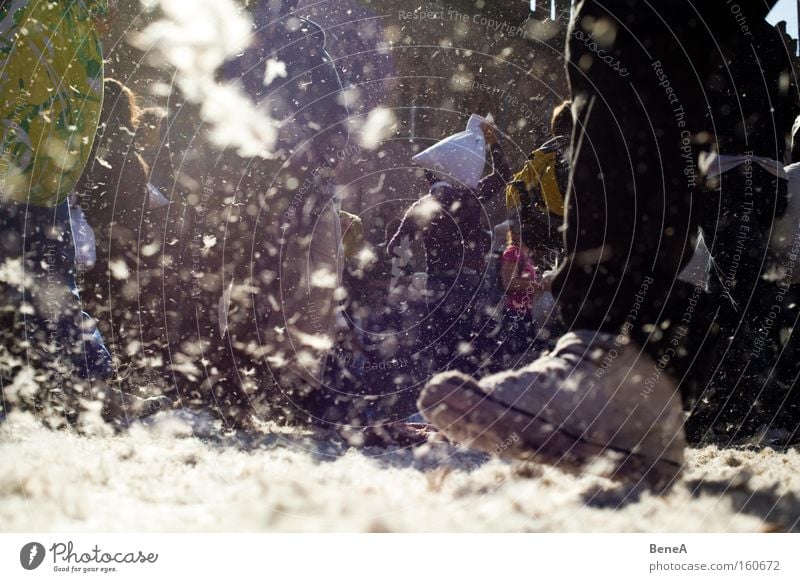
163 478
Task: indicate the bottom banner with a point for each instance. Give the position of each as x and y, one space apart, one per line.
390 557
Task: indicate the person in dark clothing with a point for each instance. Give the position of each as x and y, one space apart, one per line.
522 282
610 388
119 288
756 398
747 189
51 92
49 332
257 256
113 195
453 225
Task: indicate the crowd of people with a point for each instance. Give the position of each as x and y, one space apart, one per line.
145 268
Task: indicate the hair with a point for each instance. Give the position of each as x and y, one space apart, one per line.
561 121
150 127
431 177
151 117
119 103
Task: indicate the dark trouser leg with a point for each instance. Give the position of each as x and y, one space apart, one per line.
451 331
736 221
783 401
631 217
437 328
46 328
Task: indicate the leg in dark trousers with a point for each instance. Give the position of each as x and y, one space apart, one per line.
736 228
609 388
44 327
631 215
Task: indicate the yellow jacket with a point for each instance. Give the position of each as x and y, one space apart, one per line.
51 93
540 171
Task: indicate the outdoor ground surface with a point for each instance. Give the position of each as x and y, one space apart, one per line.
162 478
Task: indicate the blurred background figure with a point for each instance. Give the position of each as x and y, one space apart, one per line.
258 258
522 284
746 191
122 288
451 220
112 194
535 197
51 93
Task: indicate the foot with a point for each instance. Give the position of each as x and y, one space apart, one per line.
595 397
122 409
397 434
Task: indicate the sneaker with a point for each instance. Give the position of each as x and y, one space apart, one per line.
596 397
121 410
396 434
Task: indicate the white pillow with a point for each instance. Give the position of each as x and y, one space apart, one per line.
460 157
696 270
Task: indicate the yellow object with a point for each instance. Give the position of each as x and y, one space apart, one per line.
51 93
353 228
539 172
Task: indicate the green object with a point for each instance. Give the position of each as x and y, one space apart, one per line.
51 93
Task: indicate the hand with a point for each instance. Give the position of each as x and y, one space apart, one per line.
489 132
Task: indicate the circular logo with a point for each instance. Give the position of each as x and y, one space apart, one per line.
31 555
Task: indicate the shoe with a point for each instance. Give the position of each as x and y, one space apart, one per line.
397 434
121 410
596 397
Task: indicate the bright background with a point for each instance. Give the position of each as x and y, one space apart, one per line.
785 10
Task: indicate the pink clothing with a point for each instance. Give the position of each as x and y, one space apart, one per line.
520 300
